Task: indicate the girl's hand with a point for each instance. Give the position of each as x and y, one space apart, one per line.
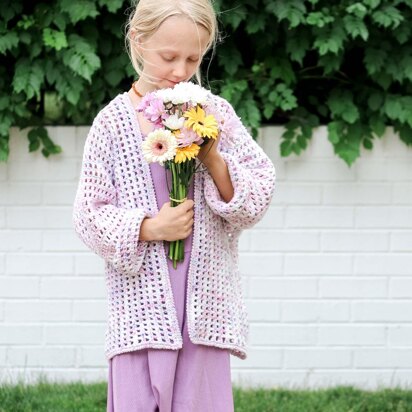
174 223
207 156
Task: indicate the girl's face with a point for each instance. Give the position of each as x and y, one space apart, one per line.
174 52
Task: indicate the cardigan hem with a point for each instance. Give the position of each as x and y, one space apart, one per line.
235 350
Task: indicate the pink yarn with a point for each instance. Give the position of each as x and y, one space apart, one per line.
114 195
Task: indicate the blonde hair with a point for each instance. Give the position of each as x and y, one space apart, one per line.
150 14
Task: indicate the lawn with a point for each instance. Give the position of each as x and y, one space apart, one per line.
80 397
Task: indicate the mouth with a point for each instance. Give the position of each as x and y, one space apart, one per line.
172 82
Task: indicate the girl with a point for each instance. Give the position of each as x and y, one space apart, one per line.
170 332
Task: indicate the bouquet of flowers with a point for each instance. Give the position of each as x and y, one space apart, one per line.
182 124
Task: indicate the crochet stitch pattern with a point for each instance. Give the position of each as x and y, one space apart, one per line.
114 195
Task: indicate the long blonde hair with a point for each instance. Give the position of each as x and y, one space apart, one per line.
149 14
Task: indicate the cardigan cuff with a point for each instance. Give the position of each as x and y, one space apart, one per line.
240 186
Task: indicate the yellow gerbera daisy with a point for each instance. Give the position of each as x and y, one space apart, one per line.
204 126
186 153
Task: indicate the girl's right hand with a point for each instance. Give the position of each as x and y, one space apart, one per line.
174 223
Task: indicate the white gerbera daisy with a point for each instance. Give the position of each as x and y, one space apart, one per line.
174 122
160 145
188 91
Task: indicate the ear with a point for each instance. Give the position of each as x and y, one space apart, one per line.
136 40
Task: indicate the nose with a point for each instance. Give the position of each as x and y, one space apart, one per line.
180 69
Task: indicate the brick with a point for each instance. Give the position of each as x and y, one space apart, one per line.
38 311
44 356
357 193
317 358
402 193
356 241
74 334
92 357
20 240
384 170
39 264
283 288
400 288
40 218
319 171
353 288
362 379
351 335
315 217
73 287
19 287
382 311
263 310
401 241
382 358
296 194
17 334
315 311
60 240
20 194
43 170
279 240
2 217
267 334
383 264
383 217
269 264
88 264
318 264
268 378
262 358
90 311
59 193
273 218
244 242
399 335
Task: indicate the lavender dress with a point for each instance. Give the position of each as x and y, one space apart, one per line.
194 378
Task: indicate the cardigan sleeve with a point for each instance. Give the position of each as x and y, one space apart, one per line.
251 171
109 231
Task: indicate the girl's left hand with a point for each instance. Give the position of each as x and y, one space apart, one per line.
207 156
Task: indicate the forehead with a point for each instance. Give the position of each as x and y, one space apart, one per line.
179 33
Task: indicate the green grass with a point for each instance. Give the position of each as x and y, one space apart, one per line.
47 396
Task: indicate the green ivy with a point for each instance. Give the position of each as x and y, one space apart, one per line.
300 64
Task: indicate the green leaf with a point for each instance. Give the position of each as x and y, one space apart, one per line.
28 77
372 4
235 16
255 22
355 27
292 10
319 19
55 39
79 9
297 44
377 124
80 57
8 41
230 58
340 102
112 5
388 16
375 59
367 144
393 108
357 9
330 40
286 148
375 101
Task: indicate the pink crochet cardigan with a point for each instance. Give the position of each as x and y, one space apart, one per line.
115 193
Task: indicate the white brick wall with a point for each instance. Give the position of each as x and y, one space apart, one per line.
327 274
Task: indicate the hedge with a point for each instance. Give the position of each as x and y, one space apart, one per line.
344 64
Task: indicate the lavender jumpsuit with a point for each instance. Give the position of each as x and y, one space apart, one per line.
195 378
